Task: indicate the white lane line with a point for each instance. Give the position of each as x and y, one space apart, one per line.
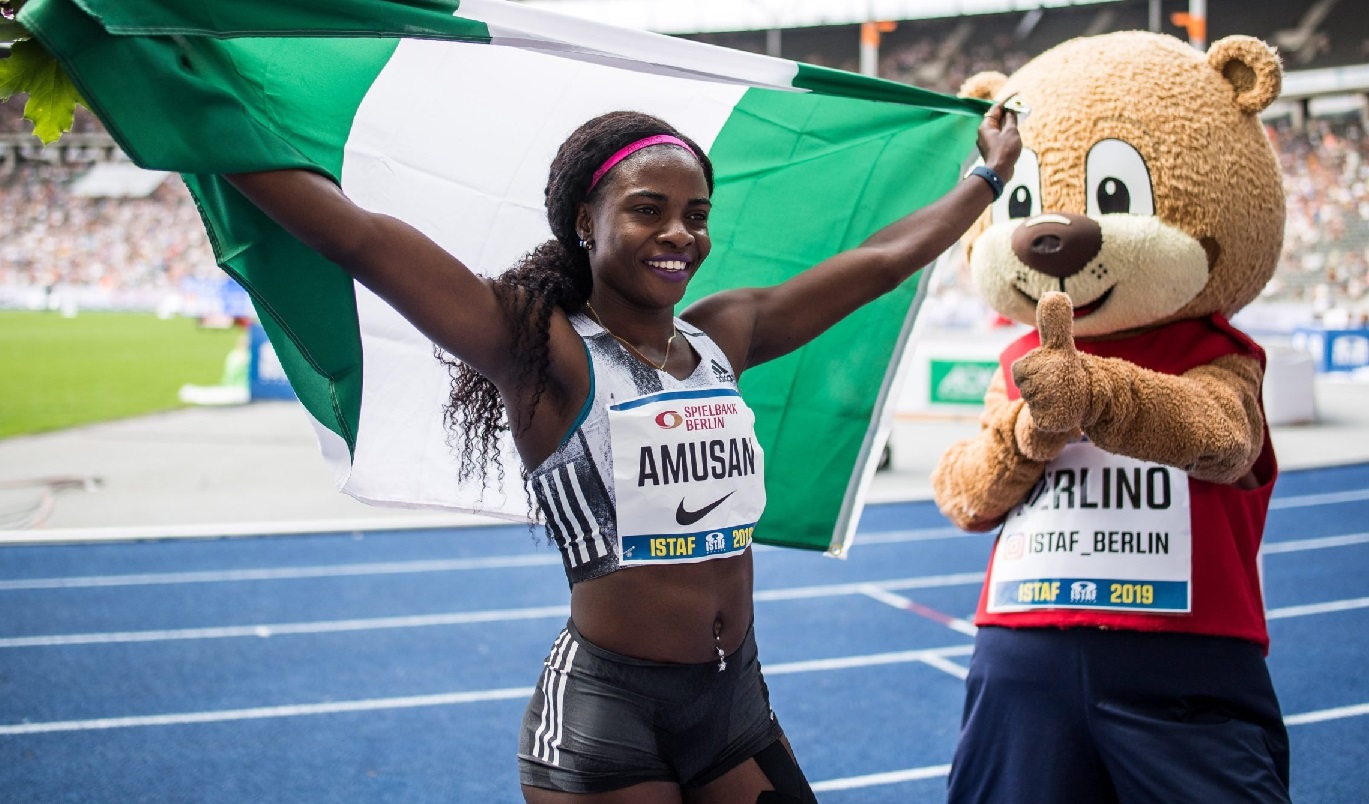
860 588
282 629
937 771
1308 500
878 590
947 666
870 660
446 699
448 618
876 779
282 573
369 524
259 713
1327 714
507 562
1320 543
900 602
1317 608
916 535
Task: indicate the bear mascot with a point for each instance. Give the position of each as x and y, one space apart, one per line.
1123 452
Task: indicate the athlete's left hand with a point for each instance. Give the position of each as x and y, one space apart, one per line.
999 141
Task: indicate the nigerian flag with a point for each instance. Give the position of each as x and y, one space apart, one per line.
446 115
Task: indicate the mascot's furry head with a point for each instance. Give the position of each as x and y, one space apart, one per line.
1147 208
1149 190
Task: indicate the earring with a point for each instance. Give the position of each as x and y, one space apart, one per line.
587 245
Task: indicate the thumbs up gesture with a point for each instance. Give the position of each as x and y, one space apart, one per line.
1054 378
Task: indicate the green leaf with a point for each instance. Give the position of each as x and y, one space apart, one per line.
11 30
52 97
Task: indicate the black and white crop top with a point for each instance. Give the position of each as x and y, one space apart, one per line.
656 470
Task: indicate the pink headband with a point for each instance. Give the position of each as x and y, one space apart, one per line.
632 148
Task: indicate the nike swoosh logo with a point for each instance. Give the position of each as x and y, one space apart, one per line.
690 517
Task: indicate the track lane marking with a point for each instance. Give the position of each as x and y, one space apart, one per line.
281 573
877 779
444 699
448 618
1328 607
1326 498
938 771
1317 543
883 591
514 561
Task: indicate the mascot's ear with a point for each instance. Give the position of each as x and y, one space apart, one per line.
1251 67
983 85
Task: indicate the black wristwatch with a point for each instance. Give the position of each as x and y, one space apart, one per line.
987 174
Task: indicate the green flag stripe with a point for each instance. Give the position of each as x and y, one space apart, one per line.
226 123
419 19
827 81
815 407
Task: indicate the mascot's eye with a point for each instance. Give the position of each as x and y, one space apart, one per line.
1118 180
1019 202
1022 197
1113 197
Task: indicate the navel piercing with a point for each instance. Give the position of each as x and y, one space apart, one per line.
718 646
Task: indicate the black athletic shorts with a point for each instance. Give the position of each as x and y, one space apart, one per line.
599 721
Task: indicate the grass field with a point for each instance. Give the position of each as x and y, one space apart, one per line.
59 372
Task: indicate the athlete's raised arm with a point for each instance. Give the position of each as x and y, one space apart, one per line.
761 324
431 288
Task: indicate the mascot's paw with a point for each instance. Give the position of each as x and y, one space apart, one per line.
1053 378
1037 444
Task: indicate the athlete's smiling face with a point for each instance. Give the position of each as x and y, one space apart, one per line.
649 226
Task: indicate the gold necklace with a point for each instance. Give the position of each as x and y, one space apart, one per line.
630 347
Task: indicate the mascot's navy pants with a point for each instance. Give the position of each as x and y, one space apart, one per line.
1085 715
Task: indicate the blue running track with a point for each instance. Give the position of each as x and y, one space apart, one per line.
394 666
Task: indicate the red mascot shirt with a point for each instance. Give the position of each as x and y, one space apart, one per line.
1107 541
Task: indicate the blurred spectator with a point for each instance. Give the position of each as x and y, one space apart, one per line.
138 249
54 240
1326 241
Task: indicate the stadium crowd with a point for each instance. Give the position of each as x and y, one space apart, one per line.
139 249
1326 241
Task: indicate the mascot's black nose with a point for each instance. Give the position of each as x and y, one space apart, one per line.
1057 244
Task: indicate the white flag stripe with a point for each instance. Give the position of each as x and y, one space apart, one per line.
400 160
516 25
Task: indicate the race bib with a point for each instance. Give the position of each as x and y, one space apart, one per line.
1098 531
688 475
